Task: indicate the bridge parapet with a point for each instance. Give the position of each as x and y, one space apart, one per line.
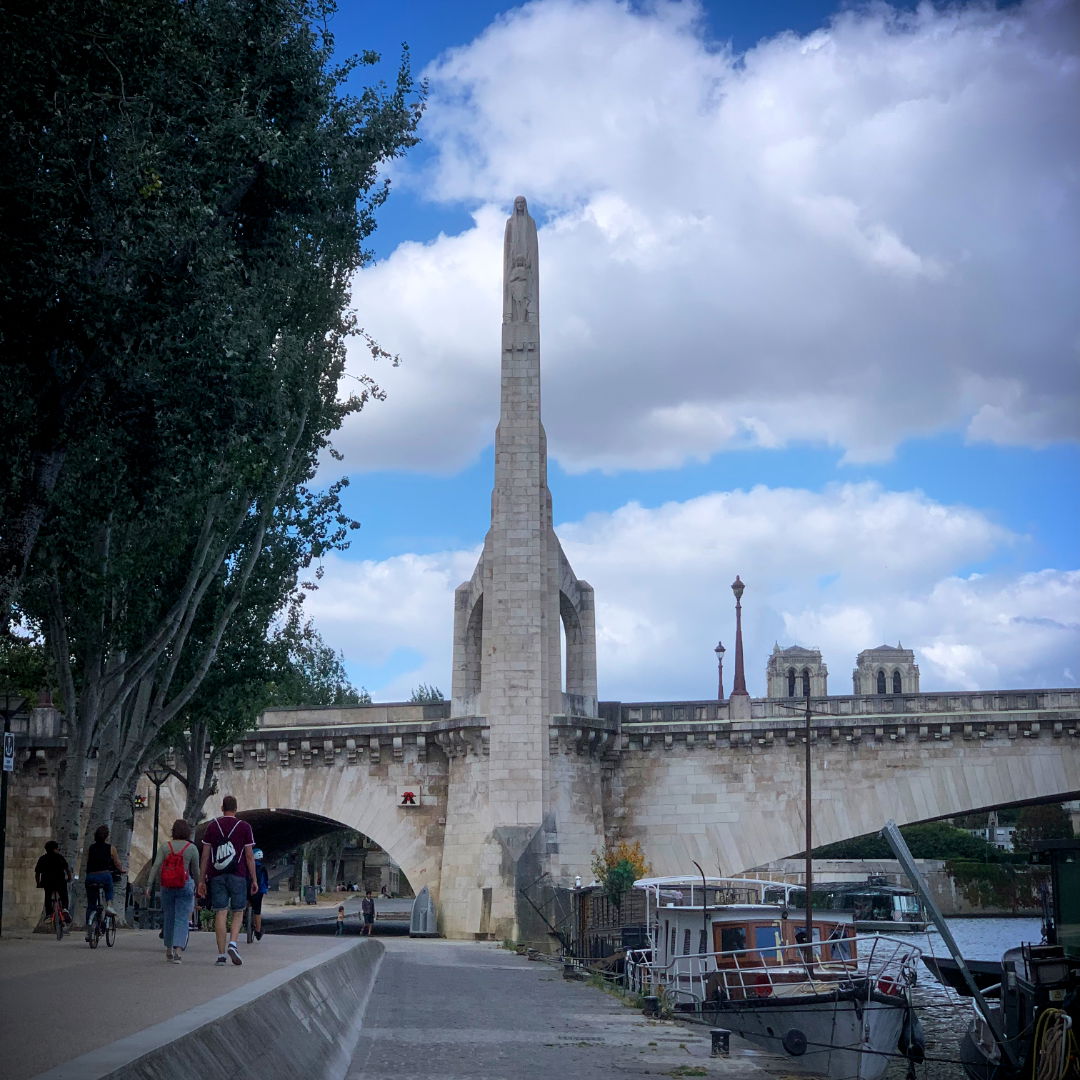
320 716
1019 706
837 730
353 743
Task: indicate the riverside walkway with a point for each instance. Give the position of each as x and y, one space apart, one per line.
365 1009
60 1000
446 1010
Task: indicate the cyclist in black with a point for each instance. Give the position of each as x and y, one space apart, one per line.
52 874
101 862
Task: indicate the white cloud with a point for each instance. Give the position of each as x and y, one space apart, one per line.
844 570
853 237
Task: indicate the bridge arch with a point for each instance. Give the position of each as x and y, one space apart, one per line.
366 798
740 804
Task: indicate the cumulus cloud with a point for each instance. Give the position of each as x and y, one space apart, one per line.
849 238
846 569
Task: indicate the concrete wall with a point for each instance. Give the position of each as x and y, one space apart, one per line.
302 1021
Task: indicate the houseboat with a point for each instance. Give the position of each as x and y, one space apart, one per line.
737 953
875 904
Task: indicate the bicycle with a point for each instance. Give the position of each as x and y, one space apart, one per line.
57 915
101 922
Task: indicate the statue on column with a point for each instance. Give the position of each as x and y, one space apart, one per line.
521 282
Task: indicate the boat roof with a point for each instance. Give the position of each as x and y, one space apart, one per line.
695 882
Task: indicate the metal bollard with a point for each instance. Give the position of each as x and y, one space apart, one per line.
652 1006
721 1042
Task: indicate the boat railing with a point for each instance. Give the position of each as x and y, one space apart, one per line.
876 962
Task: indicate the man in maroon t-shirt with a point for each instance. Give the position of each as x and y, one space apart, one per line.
229 867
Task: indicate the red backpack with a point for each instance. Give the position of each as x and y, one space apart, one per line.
174 873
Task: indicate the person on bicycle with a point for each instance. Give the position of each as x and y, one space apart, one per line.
52 875
101 862
262 877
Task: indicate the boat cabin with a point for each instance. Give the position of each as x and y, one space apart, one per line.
728 923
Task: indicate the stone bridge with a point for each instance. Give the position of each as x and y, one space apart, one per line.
680 777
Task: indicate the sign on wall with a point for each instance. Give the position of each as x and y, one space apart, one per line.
409 796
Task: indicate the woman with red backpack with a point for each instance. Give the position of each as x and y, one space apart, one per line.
176 871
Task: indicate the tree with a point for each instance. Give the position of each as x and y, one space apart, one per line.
256 667
617 867
188 192
425 695
1048 821
932 840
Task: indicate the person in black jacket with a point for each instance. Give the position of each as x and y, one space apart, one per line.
52 874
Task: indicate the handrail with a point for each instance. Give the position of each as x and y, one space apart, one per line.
887 964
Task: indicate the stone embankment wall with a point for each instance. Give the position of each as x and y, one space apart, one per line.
949 894
302 1021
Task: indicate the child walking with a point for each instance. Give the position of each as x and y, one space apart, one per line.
340 920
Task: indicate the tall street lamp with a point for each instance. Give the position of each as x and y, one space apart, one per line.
13 704
157 774
720 650
739 689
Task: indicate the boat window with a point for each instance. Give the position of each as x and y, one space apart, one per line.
703 942
667 926
840 944
674 949
907 904
767 937
686 943
732 938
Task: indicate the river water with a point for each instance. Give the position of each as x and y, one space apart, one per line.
944 1014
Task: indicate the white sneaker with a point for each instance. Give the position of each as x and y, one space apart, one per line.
110 910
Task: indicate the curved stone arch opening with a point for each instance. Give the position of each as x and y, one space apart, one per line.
329 804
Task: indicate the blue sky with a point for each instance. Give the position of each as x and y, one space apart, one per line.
808 280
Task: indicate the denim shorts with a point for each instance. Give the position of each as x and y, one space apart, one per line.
228 891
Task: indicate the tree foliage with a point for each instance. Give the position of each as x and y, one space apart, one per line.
187 192
1048 821
933 840
618 866
426 695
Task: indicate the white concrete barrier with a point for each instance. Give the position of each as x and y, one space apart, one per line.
302 1021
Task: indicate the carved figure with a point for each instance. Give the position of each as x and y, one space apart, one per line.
521 289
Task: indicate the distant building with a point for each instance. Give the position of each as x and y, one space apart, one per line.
796 671
888 669
999 836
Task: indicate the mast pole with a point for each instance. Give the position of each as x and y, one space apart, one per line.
809 857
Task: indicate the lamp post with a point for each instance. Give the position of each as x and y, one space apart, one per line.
739 689
157 775
720 650
13 703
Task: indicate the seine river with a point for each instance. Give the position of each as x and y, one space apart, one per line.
943 1013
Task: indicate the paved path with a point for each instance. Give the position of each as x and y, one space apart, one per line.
445 1010
60 999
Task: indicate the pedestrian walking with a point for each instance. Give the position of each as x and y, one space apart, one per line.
227 871
367 913
340 920
176 871
262 879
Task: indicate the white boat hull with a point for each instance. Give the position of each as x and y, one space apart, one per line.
845 1039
